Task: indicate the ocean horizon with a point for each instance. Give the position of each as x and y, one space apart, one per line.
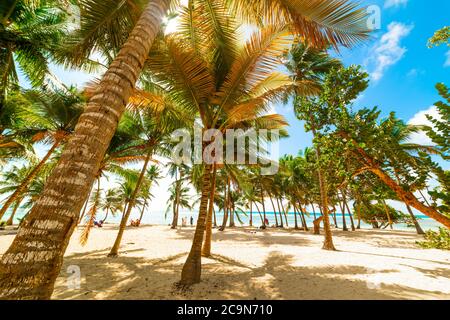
159 218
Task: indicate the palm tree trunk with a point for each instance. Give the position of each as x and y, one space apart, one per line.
414 219
206 251
175 215
215 218
231 205
386 209
264 208
314 211
142 211
344 221
406 196
86 203
251 213
23 186
10 221
285 212
106 216
226 209
279 211
192 268
115 249
349 212
302 215
274 210
328 241
295 218
260 215
46 231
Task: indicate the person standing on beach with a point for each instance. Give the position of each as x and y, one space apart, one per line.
192 221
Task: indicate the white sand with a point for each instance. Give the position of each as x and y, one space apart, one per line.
274 264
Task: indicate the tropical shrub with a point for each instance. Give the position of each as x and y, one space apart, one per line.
436 240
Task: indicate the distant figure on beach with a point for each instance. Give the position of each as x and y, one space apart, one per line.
192 221
98 223
266 222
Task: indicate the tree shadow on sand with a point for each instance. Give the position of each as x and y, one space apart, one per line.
129 277
264 238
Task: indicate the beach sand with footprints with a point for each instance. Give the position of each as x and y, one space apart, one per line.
254 264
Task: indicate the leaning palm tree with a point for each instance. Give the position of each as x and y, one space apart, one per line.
332 22
52 115
112 203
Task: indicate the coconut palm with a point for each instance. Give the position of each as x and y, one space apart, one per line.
52 116
153 174
342 24
112 203
30 34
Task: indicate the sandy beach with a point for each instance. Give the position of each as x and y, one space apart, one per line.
255 264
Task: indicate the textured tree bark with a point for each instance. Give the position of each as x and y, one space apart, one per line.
414 219
192 269
23 186
123 224
10 221
206 251
29 268
317 225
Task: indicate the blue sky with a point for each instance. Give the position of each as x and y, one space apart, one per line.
410 70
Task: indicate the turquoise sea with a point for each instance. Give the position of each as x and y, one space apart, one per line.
158 218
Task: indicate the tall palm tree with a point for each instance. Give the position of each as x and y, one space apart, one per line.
75 173
52 115
308 64
234 102
112 203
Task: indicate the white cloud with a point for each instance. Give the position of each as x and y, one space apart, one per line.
447 62
420 118
395 3
388 50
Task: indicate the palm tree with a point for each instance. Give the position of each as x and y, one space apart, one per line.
30 34
311 65
152 126
153 174
75 173
52 115
11 179
112 203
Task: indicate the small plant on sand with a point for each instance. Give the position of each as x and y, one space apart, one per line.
436 240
